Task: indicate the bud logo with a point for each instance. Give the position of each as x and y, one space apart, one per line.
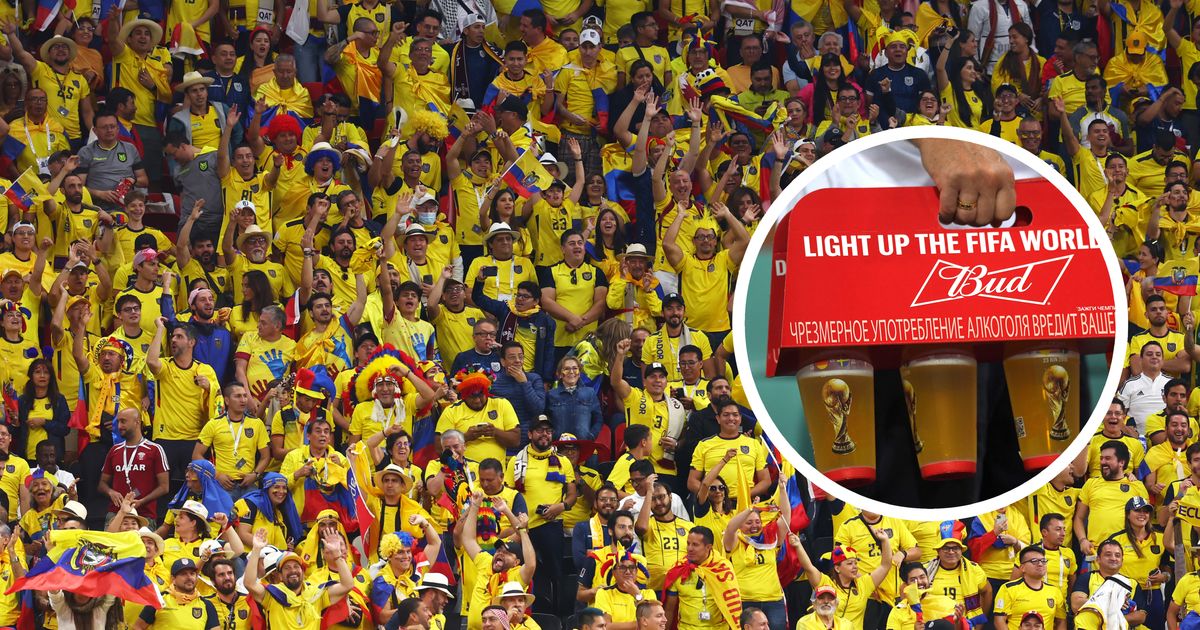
1030 283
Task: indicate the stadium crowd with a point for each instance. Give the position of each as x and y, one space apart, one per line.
251 314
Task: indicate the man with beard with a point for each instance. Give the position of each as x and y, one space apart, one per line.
240 179
1179 230
1101 507
512 561
196 259
664 537
599 566
233 608
200 121
1164 463
1176 359
514 598
594 533
70 102
1087 163
1114 428
453 318
701 589
434 591
214 343
1142 394
136 467
547 483
328 343
293 603
189 394
1175 398
183 607
253 246
194 170
663 345
1177 491
651 407
824 609
391 406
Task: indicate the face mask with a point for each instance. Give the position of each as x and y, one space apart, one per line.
426 218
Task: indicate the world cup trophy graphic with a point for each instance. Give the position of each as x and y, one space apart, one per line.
1056 389
837 398
910 399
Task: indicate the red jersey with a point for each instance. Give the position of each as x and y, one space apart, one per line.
135 469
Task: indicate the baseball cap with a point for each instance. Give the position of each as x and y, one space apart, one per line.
947 541
673 297
511 546
1136 503
657 367
23 225
424 197
589 37
183 564
144 256
1033 614
1135 44
244 204
1007 87
824 589
469 20
542 419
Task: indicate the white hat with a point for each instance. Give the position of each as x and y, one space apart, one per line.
635 250
196 508
424 197
271 556
73 508
244 204
499 228
217 548
548 158
143 522
514 589
589 36
146 532
470 19
437 582
415 229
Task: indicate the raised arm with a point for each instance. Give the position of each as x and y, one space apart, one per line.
616 374
1070 139
672 250
250 577
231 121
152 355
740 237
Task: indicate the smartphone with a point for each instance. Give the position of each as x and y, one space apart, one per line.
1001 519
676 392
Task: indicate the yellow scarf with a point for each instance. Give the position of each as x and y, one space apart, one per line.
183 598
512 306
430 88
717 575
528 83
109 389
294 99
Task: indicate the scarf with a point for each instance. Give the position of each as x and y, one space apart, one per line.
719 580
598 531
1109 602
387 417
520 465
430 88
262 502
528 83
487 525
676 417
212 495
291 100
530 312
109 389
182 598
632 288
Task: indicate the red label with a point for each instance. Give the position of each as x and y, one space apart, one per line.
873 267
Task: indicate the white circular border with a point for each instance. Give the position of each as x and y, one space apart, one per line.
788 199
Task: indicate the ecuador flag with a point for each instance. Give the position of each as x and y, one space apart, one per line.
93 564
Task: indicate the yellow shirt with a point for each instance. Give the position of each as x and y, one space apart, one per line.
621 606
125 69
498 412
12 479
1138 567
1106 505
751 457
538 489
235 445
547 225
663 545
705 285
657 56
300 612
183 406
364 424
575 290
641 409
1070 89
1136 452
1016 598
1188 56
64 93
455 333
40 140
272 523
1089 176
955 118
662 348
266 360
853 533
500 277
1187 593
852 601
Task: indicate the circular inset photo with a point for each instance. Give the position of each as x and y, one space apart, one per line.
929 319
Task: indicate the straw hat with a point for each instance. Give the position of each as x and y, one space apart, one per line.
59 39
156 31
193 78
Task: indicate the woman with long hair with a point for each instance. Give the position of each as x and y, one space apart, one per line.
256 66
1145 556
597 351
1140 287
796 126
571 408
609 242
819 96
714 504
500 206
42 412
1021 67
257 294
641 74
961 86
752 544
12 90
